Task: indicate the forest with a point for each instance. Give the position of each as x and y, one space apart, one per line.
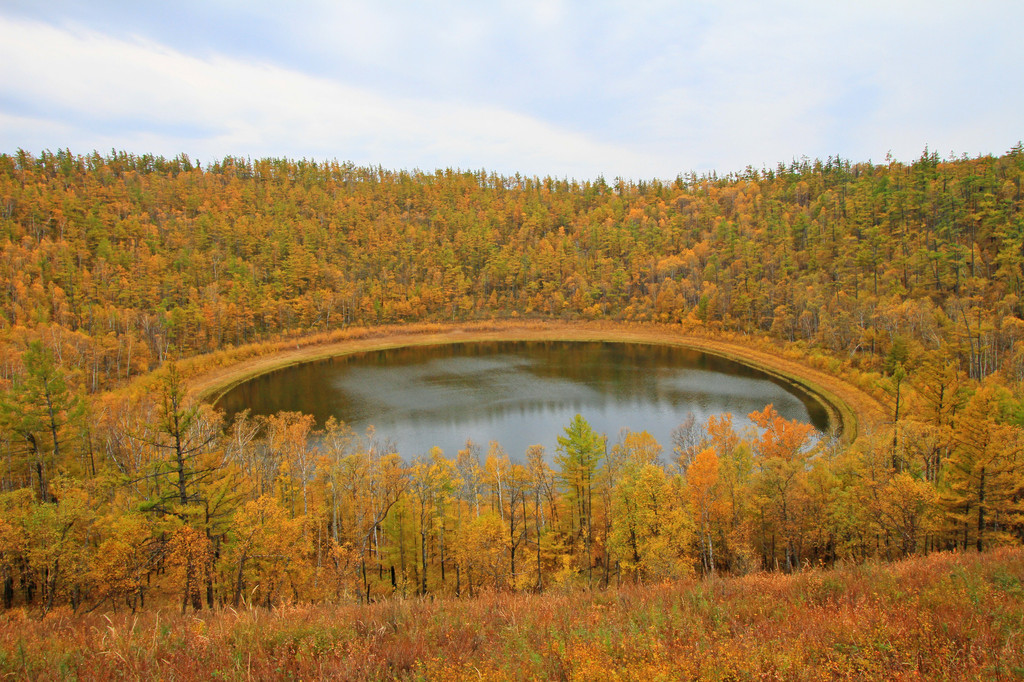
122 276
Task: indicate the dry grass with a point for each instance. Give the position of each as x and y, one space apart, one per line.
945 616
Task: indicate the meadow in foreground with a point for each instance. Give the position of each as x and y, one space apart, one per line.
945 616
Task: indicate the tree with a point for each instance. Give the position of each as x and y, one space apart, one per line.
939 395
41 410
541 481
265 548
189 556
688 439
480 550
781 457
641 447
56 542
896 500
15 509
188 478
580 450
124 558
985 474
431 483
286 438
735 465
653 528
517 484
467 464
185 432
701 481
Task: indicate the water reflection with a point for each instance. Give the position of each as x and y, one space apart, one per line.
519 393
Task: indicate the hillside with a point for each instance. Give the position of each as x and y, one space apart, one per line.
124 278
123 261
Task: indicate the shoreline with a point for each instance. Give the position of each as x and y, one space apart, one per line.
851 410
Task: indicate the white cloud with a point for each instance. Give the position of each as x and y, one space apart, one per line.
540 87
544 14
79 82
30 127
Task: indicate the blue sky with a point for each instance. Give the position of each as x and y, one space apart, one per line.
637 89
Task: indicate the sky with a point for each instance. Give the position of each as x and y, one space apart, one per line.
641 89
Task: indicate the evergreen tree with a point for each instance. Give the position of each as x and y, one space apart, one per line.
580 450
41 410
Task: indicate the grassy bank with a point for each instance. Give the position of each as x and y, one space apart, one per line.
848 404
945 616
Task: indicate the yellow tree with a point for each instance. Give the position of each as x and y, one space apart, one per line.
431 485
286 437
634 449
734 480
337 444
984 478
467 464
265 551
517 484
541 480
781 453
15 509
896 501
480 552
653 530
124 559
58 550
701 485
938 396
641 447
189 555
371 482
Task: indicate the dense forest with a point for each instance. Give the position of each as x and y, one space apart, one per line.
116 266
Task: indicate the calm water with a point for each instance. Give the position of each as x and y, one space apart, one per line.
519 393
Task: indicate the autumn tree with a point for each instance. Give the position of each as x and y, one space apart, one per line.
688 439
124 560
266 550
189 557
57 550
701 483
541 478
517 486
653 529
188 480
781 455
431 484
286 443
985 474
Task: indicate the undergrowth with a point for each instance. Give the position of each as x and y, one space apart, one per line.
944 616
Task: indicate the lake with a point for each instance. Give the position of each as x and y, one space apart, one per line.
520 393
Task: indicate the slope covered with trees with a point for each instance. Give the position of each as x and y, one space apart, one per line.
115 266
122 261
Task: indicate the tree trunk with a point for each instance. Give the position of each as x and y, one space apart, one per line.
236 600
536 516
8 593
981 510
423 561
